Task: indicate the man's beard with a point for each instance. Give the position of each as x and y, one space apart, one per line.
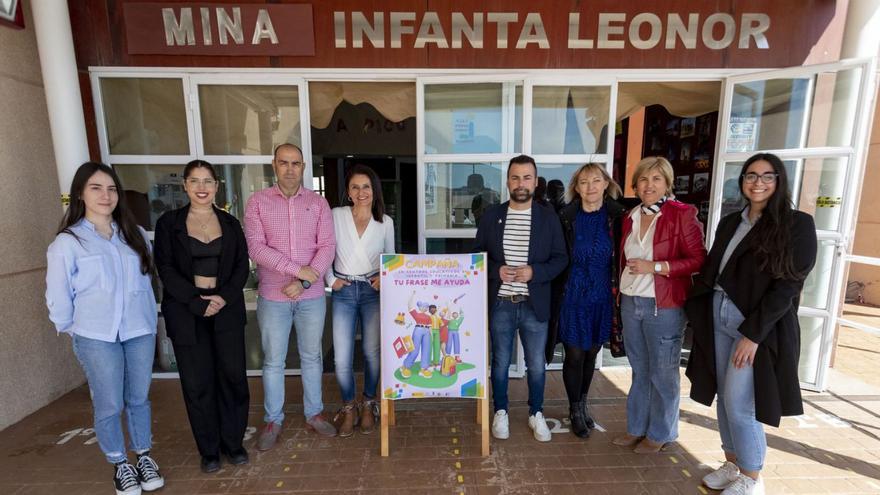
521 195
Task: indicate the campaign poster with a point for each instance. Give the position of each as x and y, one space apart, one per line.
434 325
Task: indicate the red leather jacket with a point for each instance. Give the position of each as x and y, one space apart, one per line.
678 240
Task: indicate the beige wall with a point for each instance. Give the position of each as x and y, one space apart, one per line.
36 365
867 237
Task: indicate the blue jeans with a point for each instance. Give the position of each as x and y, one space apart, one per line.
741 434
652 338
119 375
453 344
358 301
275 319
421 344
506 318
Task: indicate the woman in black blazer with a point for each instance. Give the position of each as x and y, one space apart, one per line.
743 310
202 259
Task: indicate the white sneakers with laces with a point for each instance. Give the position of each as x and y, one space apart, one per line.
539 427
501 425
722 477
743 485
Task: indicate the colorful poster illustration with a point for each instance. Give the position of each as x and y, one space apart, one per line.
434 325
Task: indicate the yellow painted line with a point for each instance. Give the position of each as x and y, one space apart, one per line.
279 484
453 429
454 441
286 469
457 465
460 478
299 445
703 490
686 473
673 459
293 456
456 451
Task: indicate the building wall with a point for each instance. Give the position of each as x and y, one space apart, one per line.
867 238
36 365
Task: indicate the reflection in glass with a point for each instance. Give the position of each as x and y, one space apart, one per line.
818 283
145 116
570 119
248 120
811 346
833 115
821 190
767 115
464 118
456 195
448 245
151 190
731 197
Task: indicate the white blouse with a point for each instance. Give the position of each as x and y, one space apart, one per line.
359 255
635 248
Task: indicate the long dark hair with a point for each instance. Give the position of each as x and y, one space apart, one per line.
128 228
187 170
772 232
375 184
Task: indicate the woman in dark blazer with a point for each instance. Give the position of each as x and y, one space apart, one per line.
202 259
592 222
743 310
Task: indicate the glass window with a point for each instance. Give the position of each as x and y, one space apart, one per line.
818 283
456 194
448 245
151 190
248 120
570 120
767 115
811 338
464 118
833 114
145 116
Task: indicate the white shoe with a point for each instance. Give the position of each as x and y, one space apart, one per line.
539 427
722 477
745 486
501 425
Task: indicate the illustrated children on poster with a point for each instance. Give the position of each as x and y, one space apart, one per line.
421 337
453 342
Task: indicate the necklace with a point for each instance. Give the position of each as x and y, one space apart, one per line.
202 222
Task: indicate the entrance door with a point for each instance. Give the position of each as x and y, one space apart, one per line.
815 119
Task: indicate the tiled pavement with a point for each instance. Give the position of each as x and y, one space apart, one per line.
833 448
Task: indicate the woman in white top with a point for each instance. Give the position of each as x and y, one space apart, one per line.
363 233
662 248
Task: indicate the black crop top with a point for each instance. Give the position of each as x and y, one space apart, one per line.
206 257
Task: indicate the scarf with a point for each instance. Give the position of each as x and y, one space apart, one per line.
654 208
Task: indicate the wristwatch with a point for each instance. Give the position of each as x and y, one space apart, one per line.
658 267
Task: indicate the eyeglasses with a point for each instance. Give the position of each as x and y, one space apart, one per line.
751 177
205 182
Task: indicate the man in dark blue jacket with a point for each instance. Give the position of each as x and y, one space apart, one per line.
526 250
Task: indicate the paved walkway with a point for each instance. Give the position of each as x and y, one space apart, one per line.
833 448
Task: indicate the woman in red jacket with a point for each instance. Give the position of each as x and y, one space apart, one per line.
662 247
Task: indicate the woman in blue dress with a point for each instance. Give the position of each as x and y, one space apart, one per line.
591 222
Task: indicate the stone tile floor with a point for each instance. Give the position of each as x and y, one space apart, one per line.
435 447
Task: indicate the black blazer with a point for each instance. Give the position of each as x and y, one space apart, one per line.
180 297
770 308
547 253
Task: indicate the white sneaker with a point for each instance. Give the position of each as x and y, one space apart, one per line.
539 427
722 477
743 485
501 425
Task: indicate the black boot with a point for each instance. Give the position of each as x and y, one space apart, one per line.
576 415
588 419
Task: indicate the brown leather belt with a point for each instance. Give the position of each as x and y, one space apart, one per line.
515 299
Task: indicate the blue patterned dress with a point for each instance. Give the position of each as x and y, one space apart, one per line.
585 316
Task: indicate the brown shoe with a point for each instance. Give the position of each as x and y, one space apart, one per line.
368 416
648 446
344 419
626 440
268 436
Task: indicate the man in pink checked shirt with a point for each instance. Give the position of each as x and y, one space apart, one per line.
289 231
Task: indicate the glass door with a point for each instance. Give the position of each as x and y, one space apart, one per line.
815 119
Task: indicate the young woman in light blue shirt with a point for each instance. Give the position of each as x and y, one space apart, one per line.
98 290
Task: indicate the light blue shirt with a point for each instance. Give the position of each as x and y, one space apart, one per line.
744 227
95 288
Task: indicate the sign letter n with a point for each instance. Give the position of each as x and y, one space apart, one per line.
179 33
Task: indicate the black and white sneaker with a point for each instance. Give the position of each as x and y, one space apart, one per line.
126 479
148 473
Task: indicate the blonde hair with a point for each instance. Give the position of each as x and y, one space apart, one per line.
649 163
613 190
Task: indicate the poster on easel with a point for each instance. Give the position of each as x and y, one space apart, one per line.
434 326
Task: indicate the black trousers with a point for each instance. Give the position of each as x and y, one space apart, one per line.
577 370
213 377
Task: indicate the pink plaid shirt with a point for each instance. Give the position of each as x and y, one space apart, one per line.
285 234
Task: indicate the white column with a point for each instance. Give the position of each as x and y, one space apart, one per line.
861 36
61 82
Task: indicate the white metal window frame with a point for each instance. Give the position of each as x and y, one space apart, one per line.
855 154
